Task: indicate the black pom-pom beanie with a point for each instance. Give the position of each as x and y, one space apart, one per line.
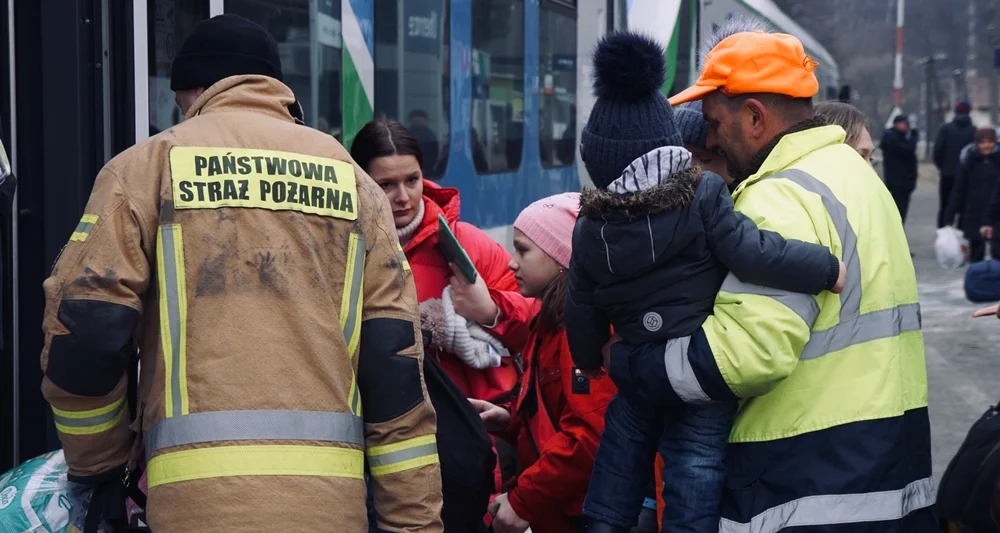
631 117
223 46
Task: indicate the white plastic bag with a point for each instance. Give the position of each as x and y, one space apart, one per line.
948 248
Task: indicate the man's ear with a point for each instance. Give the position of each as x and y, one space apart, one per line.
758 120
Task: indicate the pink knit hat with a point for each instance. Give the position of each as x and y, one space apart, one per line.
549 224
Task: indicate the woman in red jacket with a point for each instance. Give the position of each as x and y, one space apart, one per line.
558 416
390 154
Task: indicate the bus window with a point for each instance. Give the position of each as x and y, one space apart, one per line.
411 80
302 46
497 135
169 23
557 69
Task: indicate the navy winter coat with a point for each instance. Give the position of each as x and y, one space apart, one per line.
951 139
650 263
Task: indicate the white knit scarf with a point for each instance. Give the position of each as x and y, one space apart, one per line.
406 232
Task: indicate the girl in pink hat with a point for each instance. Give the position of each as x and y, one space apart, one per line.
558 417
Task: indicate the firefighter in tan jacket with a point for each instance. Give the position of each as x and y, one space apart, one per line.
257 271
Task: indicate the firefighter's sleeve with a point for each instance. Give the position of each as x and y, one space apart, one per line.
92 309
753 339
400 423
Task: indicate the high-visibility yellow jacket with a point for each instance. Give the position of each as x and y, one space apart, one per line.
258 270
832 427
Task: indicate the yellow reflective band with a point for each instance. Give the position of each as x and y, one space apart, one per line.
402 257
212 178
83 228
173 317
91 421
400 456
263 460
351 303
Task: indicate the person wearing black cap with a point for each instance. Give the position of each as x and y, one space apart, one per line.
951 139
255 268
899 162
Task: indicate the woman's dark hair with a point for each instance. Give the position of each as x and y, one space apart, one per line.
552 315
384 137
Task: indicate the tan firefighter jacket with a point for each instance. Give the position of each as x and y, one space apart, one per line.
257 270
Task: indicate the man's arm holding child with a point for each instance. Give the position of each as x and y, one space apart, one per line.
764 257
754 337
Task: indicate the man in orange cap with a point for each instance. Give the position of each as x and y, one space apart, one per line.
832 434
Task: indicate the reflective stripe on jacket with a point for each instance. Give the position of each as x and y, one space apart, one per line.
276 317
832 434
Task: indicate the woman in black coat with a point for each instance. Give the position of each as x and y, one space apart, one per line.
978 175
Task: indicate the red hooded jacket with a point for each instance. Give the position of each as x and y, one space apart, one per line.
431 274
556 453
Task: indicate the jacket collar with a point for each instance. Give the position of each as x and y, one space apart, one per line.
260 94
785 150
437 200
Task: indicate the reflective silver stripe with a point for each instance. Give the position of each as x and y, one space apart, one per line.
170 282
850 297
803 305
89 421
680 373
865 328
84 227
402 455
829 509
356 272
216 426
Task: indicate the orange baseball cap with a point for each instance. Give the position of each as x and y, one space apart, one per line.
755 62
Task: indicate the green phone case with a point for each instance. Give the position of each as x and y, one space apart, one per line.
453 251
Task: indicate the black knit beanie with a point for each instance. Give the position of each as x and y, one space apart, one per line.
223 46
630 117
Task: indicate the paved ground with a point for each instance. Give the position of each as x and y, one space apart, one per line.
963 359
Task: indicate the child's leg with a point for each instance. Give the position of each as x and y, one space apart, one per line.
693 446
624 462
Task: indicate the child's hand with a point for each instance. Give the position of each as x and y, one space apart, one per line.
472 300
594 373
841 279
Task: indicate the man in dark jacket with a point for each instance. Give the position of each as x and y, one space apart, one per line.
650 252
899 155
952 137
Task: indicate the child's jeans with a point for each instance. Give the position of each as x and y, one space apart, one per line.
692 440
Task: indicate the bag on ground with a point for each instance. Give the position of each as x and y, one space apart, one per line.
948 248
35 497
967 486
982 281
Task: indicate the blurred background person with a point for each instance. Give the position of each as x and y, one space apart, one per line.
951 139
975 184
899 154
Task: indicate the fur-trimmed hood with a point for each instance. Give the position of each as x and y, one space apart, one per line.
657 181
676 192
626 234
